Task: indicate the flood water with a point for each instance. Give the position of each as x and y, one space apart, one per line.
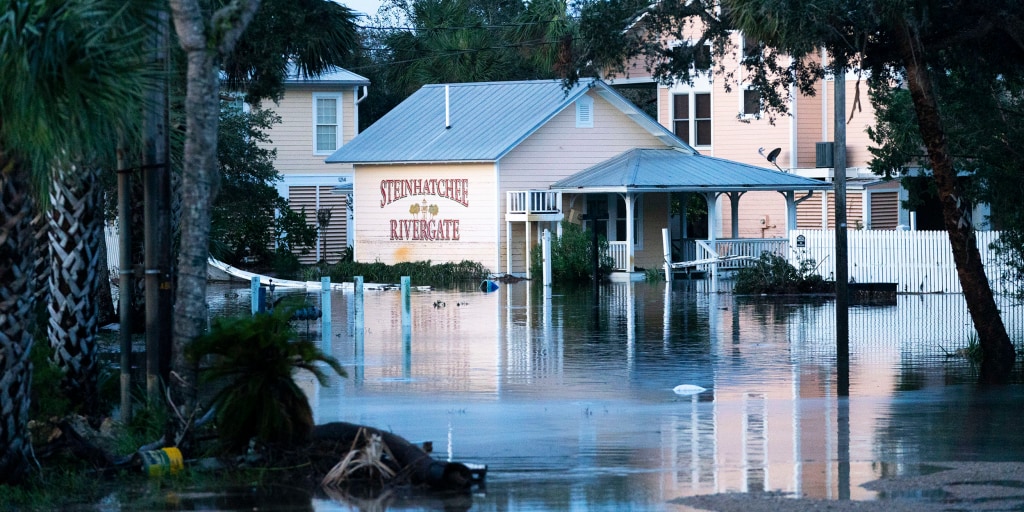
570 400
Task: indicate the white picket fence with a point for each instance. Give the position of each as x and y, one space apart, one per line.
917 261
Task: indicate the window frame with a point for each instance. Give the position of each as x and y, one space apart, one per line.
339 129
744 113
693 122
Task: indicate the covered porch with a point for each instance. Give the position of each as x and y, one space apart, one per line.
634 192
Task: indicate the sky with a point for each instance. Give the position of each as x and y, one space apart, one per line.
368 7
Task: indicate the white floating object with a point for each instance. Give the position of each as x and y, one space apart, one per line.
688 389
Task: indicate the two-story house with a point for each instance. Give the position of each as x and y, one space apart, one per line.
725 119
318 116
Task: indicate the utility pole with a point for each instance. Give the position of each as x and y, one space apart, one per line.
842 264
125 281
156 191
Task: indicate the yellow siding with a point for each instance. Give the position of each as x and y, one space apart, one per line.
293 136
656 217
385 228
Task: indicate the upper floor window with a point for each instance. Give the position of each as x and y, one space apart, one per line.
326 123
751 47
751 103
691 118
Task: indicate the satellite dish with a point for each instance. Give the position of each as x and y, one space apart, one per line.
772 156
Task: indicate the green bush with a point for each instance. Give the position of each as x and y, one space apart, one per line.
572 255
250 362
772 274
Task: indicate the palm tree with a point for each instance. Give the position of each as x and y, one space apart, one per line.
71 75
76 236
16 305
252 363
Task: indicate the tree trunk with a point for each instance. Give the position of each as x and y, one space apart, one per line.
998 355
16 312
76 234
205 42
197 192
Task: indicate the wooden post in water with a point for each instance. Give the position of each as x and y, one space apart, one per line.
254 289
357 287
546 259
666 248
326 336
357 313
406 328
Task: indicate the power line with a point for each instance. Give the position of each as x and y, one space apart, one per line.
468 27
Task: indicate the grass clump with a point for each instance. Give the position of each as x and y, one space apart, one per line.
420 272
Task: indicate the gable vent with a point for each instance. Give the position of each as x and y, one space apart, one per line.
585 112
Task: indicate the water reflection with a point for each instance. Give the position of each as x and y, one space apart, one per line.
570 402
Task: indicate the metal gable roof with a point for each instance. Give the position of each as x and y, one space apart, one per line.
333 75
639 170
487 120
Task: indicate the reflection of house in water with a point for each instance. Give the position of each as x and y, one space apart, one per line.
558 382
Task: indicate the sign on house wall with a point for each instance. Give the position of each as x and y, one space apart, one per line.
426 219
421 212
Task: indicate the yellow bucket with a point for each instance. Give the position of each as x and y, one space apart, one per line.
162 462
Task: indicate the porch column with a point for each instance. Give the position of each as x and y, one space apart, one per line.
508 247
791 204
790 210
527 223
629 231
734 203
711 198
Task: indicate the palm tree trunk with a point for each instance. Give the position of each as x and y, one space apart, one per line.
16 312
76 234
998 354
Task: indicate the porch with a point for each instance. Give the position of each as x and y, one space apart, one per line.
537 206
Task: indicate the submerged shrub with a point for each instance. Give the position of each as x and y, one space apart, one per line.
572 255
772 274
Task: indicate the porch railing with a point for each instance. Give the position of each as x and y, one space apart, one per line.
534 201
735 253
619 251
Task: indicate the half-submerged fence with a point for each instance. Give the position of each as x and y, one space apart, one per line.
917 261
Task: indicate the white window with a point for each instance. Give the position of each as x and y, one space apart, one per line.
326 123
585 112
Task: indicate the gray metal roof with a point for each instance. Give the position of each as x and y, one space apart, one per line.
487 120
664 170
334 75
